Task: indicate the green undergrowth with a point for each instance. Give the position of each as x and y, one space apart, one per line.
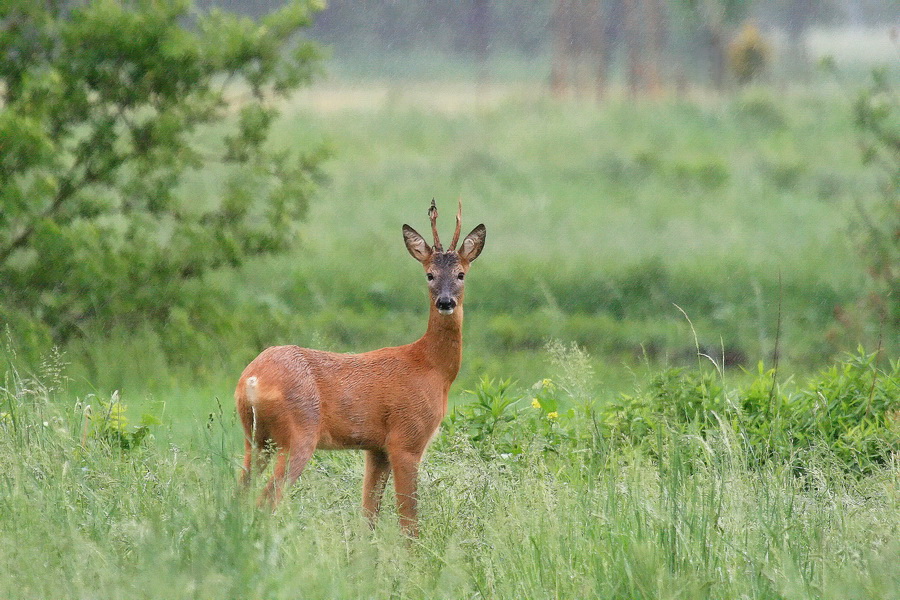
849 412
689 487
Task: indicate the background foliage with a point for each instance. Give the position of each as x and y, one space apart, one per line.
103 107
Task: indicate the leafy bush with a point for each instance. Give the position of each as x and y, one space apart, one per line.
759 111
498 424
877 118
703 175
485 420
749 54
851 410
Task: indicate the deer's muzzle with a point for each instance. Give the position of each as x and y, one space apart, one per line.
445 305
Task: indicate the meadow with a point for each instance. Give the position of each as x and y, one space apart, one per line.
646 233
600 220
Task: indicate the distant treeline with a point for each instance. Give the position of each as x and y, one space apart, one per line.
645 43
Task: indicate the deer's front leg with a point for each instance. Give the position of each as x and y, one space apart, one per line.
377 466
405 466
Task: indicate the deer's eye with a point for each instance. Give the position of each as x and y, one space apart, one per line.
430 276
461 276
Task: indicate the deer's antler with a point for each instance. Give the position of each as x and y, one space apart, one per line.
433 215
458 224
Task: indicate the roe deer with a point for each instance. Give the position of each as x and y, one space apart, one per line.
388 402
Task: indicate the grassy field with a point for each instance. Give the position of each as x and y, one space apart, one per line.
681 515
600 220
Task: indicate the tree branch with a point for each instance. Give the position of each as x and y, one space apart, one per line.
67 189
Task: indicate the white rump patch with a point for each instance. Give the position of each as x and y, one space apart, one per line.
252 384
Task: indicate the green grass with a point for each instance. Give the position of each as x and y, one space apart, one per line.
85 519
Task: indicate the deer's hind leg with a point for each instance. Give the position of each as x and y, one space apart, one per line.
288 422
295 435
255 460
289 464
377 471
257 444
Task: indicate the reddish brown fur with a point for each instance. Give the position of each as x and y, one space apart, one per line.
388 402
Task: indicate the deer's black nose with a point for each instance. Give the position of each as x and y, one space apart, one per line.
445 303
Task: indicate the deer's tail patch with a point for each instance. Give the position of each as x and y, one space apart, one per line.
252 389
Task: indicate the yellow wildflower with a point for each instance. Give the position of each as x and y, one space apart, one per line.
535 403
553 415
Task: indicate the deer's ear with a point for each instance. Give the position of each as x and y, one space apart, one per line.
416 244
473 244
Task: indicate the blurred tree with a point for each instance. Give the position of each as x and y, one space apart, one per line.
634 44
796 17
877 117
654 37
581 44
749 54
479 17
604 26
590 30
874 319
386 28
563 24
102 103
799 15
715 21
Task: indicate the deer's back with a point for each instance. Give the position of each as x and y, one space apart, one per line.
351 400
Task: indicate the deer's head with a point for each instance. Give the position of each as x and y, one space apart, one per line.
445 269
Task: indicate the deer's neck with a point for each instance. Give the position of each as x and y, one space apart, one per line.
442 342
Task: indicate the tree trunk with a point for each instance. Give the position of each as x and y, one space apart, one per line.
799 15
633 46
715 49
562 43
600 45
656 38
480 29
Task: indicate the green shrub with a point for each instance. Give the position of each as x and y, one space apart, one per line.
853 408
760 111
498 424
107 111
786 174
701 174
749 54
850 410
484 421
